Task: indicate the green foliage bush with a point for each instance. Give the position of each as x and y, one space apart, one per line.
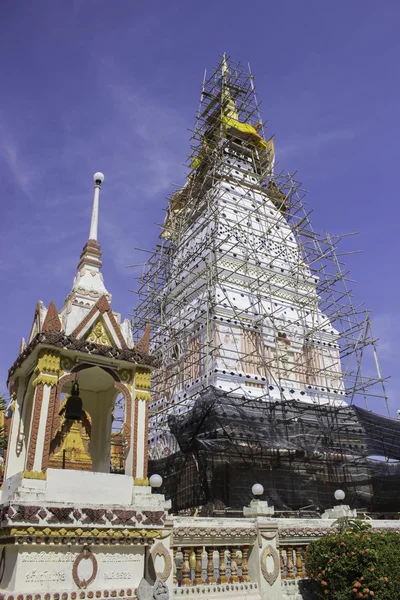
356 563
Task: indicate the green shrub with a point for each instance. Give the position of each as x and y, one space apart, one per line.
356 563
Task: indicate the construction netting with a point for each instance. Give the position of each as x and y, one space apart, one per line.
301 453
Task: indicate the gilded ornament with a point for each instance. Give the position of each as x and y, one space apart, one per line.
45 379
34 475
99 533
48 362
142 378
48 368
143 396
99 335
141 481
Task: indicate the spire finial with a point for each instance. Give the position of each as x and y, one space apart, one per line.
224 66
98 180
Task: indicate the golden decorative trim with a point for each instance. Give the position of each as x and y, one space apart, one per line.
142 378
141 481
45 379
48 368
143 396
49 362
34 475
79 532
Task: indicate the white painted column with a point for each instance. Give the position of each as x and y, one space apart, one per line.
141 438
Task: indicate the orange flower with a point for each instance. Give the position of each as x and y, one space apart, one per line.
323 583
357 584
372 569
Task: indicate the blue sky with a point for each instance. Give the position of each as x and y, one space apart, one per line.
93 85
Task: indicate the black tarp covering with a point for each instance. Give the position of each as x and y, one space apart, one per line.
382 433
300 452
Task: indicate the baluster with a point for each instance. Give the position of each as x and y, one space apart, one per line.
289 554
300 571
245 565
234 567
198 580
239 562
186 568
222 567
192 564
210 566
283 570
174 567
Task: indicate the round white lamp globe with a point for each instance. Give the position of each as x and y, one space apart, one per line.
155 481
257 489
98 177
339 495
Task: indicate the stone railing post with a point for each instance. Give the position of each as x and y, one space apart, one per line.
264 560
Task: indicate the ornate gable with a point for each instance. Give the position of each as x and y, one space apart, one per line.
100 323
98 334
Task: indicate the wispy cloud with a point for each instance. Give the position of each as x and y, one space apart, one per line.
22 171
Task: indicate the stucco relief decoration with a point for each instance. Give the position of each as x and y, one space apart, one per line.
269 576
160 591
66 363
154 517
125 375
99 335
188 533
86 554
270 535
160 550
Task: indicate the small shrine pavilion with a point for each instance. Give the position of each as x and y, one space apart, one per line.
68 522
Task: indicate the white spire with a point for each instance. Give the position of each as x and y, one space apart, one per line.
98 179
88 285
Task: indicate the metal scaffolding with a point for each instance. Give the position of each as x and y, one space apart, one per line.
242 295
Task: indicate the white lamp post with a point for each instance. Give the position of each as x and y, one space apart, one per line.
156 481
257 489
339 496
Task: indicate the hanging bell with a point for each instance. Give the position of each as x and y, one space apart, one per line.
73 407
